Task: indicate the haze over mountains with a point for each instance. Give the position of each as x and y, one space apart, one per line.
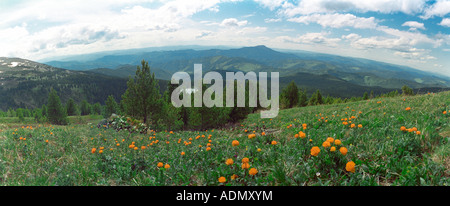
25 83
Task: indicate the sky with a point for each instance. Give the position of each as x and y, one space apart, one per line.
414 33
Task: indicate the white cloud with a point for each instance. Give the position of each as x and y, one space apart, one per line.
314 38
414 25
337 20
268 20
306 7
271 4
232 22
445 22
440 8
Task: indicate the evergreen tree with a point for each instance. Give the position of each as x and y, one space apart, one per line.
71 107
56 113
302 98
142 97
366 96
85 108
289 95
407 91
110 107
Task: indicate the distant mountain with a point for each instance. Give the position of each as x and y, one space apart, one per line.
357 71
25 83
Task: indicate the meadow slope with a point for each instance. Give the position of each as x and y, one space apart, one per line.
386 141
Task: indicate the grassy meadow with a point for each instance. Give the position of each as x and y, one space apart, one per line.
386 141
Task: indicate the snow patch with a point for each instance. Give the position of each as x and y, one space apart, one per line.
14 64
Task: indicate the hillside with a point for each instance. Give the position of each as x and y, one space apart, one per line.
358 71
25 83
377 142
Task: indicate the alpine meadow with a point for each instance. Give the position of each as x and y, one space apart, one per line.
225 93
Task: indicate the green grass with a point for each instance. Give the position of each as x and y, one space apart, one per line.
382 153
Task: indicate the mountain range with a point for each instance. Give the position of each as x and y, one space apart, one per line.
25 83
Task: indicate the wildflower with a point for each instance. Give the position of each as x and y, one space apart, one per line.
352 125
234 176
408 108
274 142
403 128
315 151
296 135
245 166
235 143
330 139
135 148
46 140
253 171
359 125
222 179
263 133
302 134
182 153
418 132
350 167
343 150
160 164
444 112
245 160
337 142
326 144
229 161
101 151
259 150
93 150
332 149
251 136
167 166
143 148
208 148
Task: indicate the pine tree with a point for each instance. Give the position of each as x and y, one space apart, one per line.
56 113
110 107
142 97
85 108
71 107
290 95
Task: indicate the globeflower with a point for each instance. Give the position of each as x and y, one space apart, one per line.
315 151
337 142
222 179
235 143
229 161
253 171
326 144
343 150
350 167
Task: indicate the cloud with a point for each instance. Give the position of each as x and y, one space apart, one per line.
414 25
268 20
271 4
445 22
337 20
313 38
306 7
440 8
232 22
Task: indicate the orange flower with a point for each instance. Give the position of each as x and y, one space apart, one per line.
360 125
208 148
418 132
408 108
160 164
101 151
332 149
330 139
143 148
253 171
296 135
403 128
251 136
315 151
93 150
222 179
182 153
263 133
337 142
235 143
343 150
167 166
245 160
274 142
352 125
302 134
245 165
229 161
326 144
444 112
234 176
350 167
